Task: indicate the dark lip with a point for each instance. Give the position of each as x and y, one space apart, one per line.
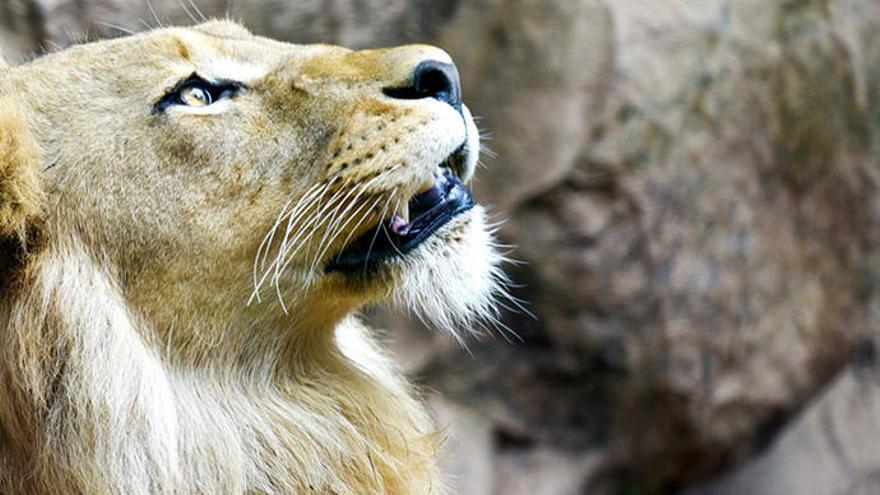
429 212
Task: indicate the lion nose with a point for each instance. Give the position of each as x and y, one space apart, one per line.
432 79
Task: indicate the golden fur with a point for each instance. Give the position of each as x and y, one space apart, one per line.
165 326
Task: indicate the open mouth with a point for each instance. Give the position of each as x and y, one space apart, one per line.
395 236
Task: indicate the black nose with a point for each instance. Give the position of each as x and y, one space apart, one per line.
432 79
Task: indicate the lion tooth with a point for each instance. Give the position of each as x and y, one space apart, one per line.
403 212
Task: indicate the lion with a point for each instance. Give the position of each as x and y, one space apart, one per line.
191 220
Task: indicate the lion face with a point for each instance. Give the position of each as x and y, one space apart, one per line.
214 173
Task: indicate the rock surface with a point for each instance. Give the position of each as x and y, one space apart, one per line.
832 449
695 188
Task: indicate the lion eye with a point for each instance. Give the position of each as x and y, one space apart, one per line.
197 92
195 96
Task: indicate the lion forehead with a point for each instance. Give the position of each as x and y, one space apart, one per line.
224 28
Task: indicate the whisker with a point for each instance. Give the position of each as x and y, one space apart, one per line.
198 11
387 234
362 214
265 246
335 217
339 216
297 243
313 269
286 257
306 199
382 175
365 215
188 13
373 241
155 16
114 26
287 243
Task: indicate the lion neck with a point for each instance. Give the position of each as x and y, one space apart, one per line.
99 403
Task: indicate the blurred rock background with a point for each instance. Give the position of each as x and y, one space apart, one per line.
695 189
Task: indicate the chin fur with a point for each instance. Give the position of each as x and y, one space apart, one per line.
454 280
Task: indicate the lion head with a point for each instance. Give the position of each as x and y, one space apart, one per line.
208 166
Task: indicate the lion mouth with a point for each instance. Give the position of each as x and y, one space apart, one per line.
395 237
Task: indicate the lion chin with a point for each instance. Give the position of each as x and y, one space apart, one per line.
190 219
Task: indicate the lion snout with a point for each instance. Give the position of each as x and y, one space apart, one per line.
431 79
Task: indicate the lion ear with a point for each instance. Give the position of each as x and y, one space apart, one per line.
21 189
